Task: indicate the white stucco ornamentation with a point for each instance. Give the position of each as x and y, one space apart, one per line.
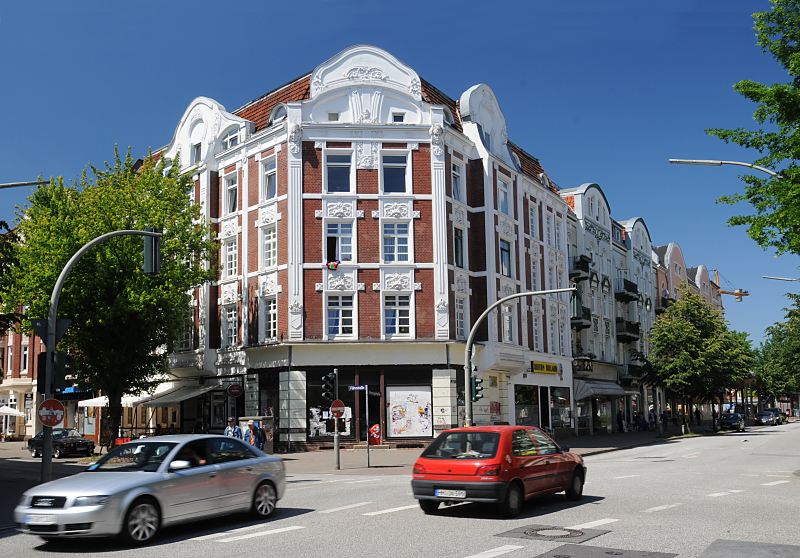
268 215
230 293
506 228
395 210
339 209
367 154
340 282
459 217
229 228
397 282
441 312
415 88
295 139
269 286
319 144
462 284
365 73
437 139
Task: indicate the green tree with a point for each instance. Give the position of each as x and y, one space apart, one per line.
776 371
125 322
775 221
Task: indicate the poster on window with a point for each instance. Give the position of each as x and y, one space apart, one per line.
410 411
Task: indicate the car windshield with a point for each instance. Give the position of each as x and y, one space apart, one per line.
66 433
139 456
463 445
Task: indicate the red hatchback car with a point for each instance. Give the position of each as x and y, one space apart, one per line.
504 465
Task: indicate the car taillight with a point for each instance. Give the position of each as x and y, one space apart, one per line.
489 470
419 469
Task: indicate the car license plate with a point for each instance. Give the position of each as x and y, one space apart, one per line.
443 493
40 519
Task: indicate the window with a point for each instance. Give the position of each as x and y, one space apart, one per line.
537 328
461 319
549 226
196 453
224 450
269 186
508 323
398 117
231 257
270 318
561 346
545 445
502 196
340 315
463 446
339 242
535 285
10 359
230 194
278 114
270 245
197 151
521 444
231 139
397 314
395 242
187 334
456 183
394 173
24 360
458 247
505 258
229 337
553 338
333 117
533 217
558 234
338 170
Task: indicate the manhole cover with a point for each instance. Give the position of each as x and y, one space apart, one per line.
552 533
581 551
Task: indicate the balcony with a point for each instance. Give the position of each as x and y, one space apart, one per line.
581 318
579 268
626 291
627 332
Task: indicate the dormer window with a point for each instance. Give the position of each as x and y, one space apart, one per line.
333 117
448 116
231 139
278 114
398 117
197 153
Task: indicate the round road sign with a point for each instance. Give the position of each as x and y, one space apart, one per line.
51 412
235 390
337 408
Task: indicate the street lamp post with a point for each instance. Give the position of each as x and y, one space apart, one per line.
717 163
22 184
471 339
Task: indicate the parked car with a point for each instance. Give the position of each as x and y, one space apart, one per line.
732 421
66 441
504 465
147 484
778 415
766 417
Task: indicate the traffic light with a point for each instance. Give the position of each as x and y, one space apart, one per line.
477 388
152 253
328 383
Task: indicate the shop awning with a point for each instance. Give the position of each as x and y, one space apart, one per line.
174 396
5 410
102 401
595 388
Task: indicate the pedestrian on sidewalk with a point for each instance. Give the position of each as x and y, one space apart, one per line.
664 420
233 430
620 421
698 415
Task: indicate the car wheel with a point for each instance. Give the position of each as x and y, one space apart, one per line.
575 490
264 500
141 522
514 500
429 506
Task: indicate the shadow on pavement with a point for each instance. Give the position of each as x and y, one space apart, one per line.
214 526
542 505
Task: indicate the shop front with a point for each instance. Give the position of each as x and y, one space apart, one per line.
542 397
596 402
199 408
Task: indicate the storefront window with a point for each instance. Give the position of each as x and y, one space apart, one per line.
560 407
526 405
320 421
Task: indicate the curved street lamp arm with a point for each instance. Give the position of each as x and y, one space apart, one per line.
716 163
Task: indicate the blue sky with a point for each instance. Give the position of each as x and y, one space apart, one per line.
600 91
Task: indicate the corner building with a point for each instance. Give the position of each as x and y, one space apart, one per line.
365 219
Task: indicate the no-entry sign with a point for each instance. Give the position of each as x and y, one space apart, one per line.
50 412
337 408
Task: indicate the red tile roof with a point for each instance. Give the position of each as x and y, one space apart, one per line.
258 110
434 96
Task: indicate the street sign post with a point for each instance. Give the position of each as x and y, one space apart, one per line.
367 393
336 447
50 412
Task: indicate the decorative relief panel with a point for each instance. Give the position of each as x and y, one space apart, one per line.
398 210
367 154
365 73
397 282
340 282
295 139
459 217
441 312
437 139
268 215
229 228
596 231
506 228
268 285
230 293
462 284
339 209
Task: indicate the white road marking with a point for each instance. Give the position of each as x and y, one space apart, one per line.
779 476
750 475
662 508
226 533
499 551
362 480
717 494
391 510
261 534
306 487
690 455
627 476
597 523
735 491
773 483
348 507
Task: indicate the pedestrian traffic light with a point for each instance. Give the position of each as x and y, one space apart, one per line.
328 383
477 388
152 253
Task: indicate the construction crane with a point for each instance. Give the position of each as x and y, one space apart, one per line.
738 293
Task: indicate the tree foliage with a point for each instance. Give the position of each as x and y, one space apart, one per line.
693 352
775 221
125 322
776 371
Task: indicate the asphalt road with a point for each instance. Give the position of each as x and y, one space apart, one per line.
731 496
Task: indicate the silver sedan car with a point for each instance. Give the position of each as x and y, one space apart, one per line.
147 484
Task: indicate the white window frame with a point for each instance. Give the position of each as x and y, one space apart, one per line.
333 117
231 255
269 245
268 326
537 333
353 316
533 219
503 195
10 360
510 258
463 250
196 154
348 152
507 328
396 236
230 182
186 342
230 139
461 310
353 235
230 326
395 153
384 306
400 120
266 172
456 171
23 362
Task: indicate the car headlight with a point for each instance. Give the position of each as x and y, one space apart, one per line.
90 501
24 501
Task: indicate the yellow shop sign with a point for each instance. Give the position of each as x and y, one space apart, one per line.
544 367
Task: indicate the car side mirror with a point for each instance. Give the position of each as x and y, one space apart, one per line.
179 465
564 449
